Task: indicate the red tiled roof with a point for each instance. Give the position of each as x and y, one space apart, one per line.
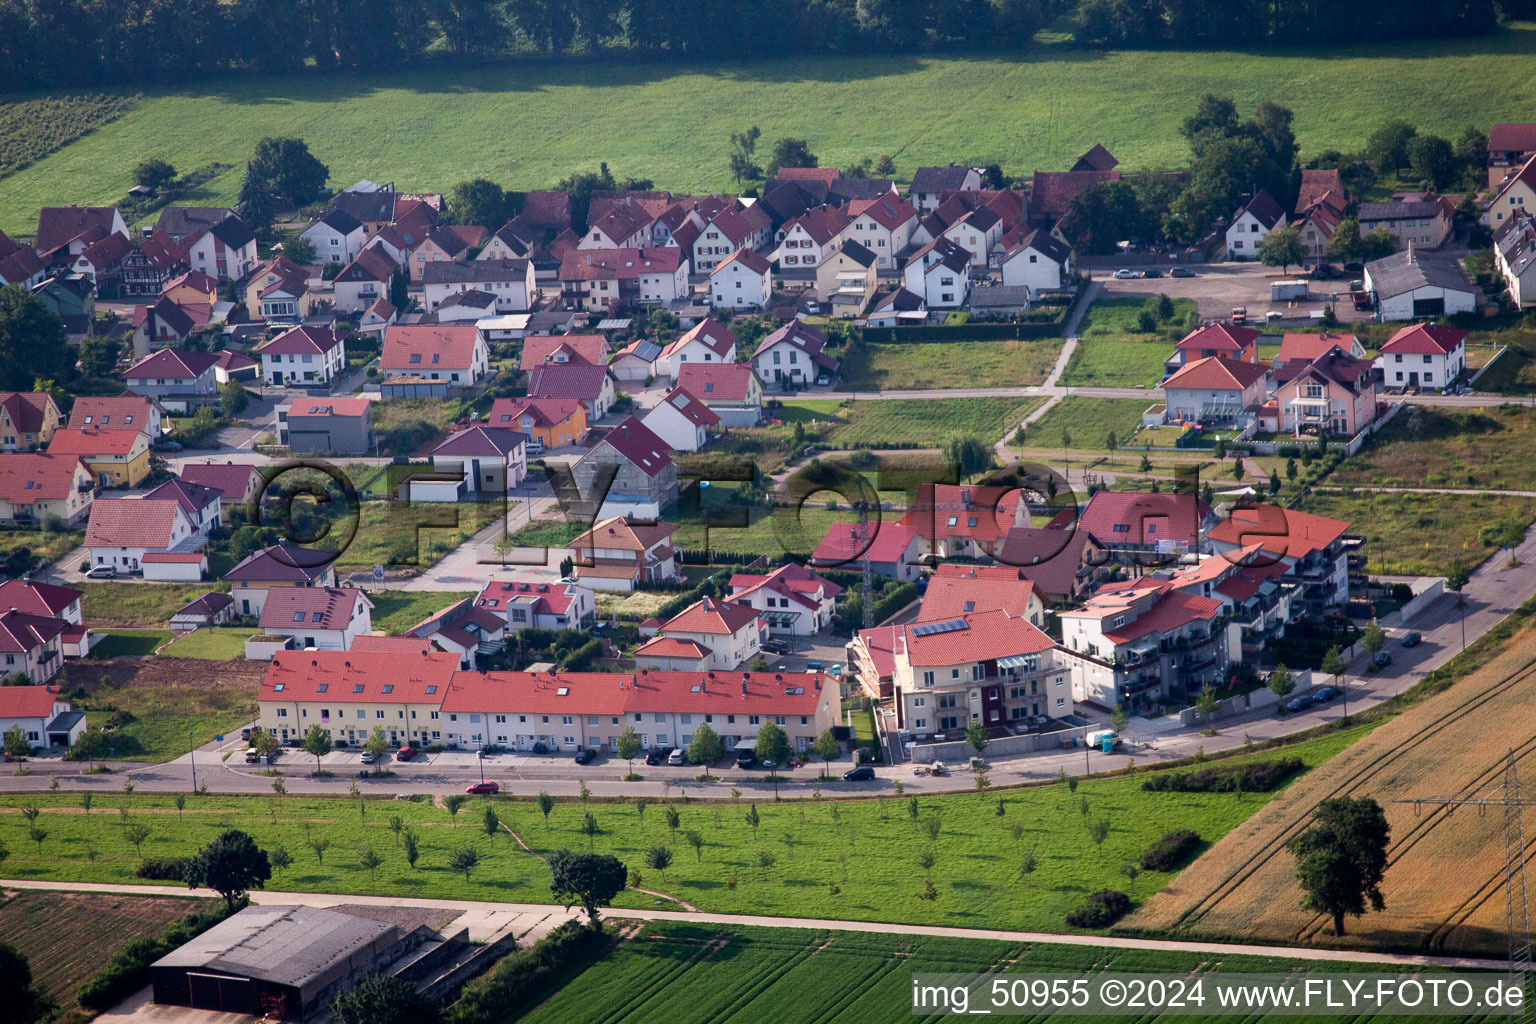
230 479
59 225
1317 183
119 412
192 498
822 224
1051 192
822 174
393 644
1121 517
1512 137
640 446
790 580
1051 558
93 441
372 264
37 598
301 340
622 533
107 251
1169 611
982 637
492 442
27 701
567 380
693 410
1216 374
132 523
1302 345
622 264
840 547
887 211
351 677
710 333
1425 339
591 349
28 409
1219 337
194 279
671 647
711 615
171 362
444 346
283 562
880 643
555 598
955 590
545 412
27 477
724 382
175 557
1281 530
647 691
322 607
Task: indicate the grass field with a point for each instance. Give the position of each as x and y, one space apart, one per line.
419 534
951 364
1493 448
396 611
1444 884
1088 421
1515 371
137 604
868 848
928 423
48 546
1114 352
118 642
691 973
68 937
1418 534
32 129
221 643
168 703
671 122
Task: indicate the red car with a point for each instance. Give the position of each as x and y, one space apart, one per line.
405 753
484 787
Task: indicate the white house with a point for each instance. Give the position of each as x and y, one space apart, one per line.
318 618
1413 284
743 281
456 353
337 237
794 355
538 604
681 420
1215 391
511 281
710 634
883 225
792 600
487 461
635 361
1427 356
601 279
1252 224
303 355
1514 255
929 185
804 241
46 720
122 531
202 505
708 341
1038 261
735 227
226 251
940 273
364 281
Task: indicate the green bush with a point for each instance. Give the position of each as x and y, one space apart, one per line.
1100 910
522 978
1170 850
164 869
1250 777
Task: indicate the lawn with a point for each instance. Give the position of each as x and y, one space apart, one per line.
159 707
688 973
408 426
869 848
1515 371
419 534
876 423
1492 448
138 604
671 122
1425 534
118 642
1114 352
1088 422
221 643
396 611
68 937
949 364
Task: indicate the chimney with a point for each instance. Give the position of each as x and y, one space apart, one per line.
704 685
1410 250
743 687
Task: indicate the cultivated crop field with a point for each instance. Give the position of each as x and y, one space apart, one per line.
428 128
32 129
68 937
948 364
870 849
1444 885
688 973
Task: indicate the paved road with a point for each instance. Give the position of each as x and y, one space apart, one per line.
1285 953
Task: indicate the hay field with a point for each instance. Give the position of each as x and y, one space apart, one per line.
1444 884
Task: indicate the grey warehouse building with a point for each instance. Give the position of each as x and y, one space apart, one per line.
280 961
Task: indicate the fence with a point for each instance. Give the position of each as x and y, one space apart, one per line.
1350 447
1027 331
959 750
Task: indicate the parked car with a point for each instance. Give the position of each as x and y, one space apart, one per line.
1325 695
770 765
745 758
1181 272
252 756
166 446
405 753
656 755
1382 659
1413 639
1298 704
676 758
1125 274
863 773
1354 267
367 758
1151 272
483 788
100 572
1326 272
584 755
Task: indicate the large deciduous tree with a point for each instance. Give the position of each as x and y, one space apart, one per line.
32 341
230 865
590 879
287 167
1341 858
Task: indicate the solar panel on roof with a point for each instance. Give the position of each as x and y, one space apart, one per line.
930 628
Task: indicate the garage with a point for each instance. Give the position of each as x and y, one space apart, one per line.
1411 285
222 992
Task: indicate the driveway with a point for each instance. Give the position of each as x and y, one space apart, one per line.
1218 288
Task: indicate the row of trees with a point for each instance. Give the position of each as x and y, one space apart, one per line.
86 42
1147 24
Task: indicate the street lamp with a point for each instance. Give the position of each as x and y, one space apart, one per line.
192 754
480 760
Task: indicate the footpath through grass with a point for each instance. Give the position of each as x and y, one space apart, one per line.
688 973
671 121
870 849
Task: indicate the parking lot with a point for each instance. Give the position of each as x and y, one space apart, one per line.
1218 288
